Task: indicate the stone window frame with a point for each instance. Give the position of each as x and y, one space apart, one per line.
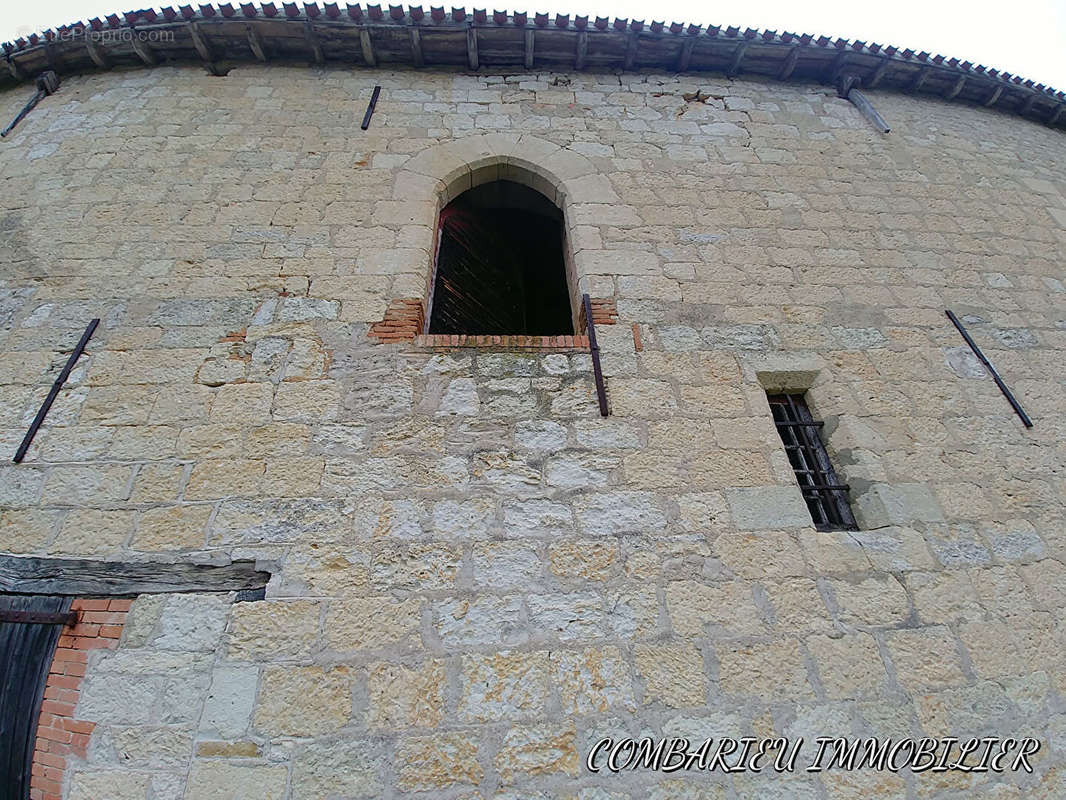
439 174
875 501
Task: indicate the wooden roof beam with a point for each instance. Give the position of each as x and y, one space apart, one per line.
367 47
582 50
631 51
920 79
789 64
530 41
1027 106
878 73
471 47
96 53
1056 115
954 92
141 48
416 47
738 56
14 69
312 42
256 44
991 101
685 56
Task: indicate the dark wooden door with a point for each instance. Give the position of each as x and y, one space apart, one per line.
26 649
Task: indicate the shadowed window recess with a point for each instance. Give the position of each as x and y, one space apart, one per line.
826 497
500 266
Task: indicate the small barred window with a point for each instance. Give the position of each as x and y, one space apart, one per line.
826 497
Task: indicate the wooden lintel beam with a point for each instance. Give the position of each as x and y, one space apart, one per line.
631 51
368 47
471 47
738 56
256 44
684 58
416 47
96 53
312 42
141 48
1056 115
991 101
878 73
920 79
582 50
75 576
790 64
530 41
954 92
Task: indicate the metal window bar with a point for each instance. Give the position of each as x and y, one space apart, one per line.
825 495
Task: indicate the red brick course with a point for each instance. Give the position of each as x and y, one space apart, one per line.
59 735
406 318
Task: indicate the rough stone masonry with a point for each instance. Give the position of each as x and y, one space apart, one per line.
475 576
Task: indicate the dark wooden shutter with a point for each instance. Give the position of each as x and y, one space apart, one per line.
26 650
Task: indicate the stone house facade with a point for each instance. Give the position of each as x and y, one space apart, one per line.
473 576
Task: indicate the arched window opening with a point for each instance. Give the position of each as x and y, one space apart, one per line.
500 265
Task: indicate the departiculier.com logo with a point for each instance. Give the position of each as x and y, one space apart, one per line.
780 754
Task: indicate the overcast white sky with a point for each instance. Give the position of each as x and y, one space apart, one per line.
1025 37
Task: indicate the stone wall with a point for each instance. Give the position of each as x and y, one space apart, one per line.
475 576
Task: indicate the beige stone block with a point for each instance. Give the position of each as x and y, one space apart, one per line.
943 597
370 623
242 403
503 685
303 701
727 607
338 767
760 555
773 669
174 528
715 400
155 483
405 698
89 532
224 478
293 477
111 784
706 512
925 658
875 601
306 401
850 666
991 648
798 606
214 749
427 763
583 559
277 439
219 780
272 629
638 397
833 552
591 681
672 674
536 750
216 441
25 531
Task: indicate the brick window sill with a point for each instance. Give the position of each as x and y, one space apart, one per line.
503 342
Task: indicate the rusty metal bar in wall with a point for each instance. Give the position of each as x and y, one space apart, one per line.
590 326
991 370
47 404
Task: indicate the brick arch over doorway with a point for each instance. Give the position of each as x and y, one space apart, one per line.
431 179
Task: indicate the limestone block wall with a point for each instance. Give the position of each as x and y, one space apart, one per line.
475 577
